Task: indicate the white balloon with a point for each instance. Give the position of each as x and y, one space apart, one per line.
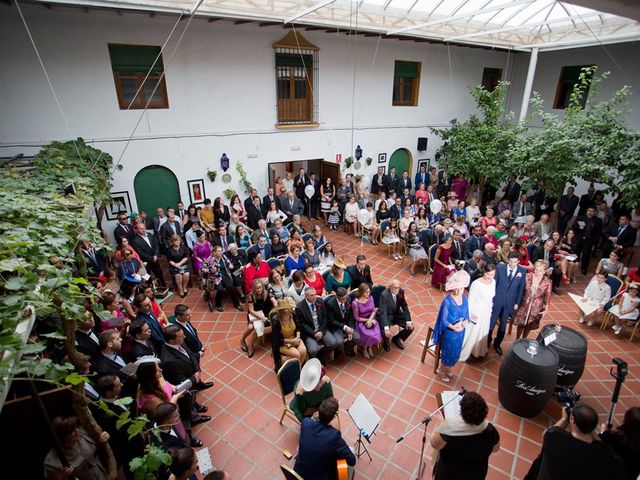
309 191
436 206
365 181
363 216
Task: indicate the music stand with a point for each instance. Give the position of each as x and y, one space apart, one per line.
367 420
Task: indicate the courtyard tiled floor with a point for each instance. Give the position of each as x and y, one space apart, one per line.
245 438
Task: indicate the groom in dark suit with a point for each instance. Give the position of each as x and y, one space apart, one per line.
394 312
510 280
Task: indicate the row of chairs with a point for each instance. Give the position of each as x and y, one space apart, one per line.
617 289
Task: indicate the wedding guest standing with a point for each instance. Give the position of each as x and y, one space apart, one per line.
535 300
481 296
453 317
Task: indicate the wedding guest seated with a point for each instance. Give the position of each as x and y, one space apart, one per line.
405 222
597 291
328 256
338 277
259 304
285 333
297 287
520 247
311 255
243 238
295 261
360 272
421 219
321 445
262 230
312 388
626 309
394 316
282 231
296 225
489 255
295 240
129 267
416 250
340 321
238 259
256 269
314 279
364 316
317 236
118 320
201 251
501 230
474 242
278 248
474 265
262 246
178 258
311 317
223 279
567 248
277 286
502 254
611 265
489 237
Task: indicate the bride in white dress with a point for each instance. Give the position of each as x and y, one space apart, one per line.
481 296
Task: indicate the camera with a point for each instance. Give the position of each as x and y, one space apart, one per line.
622 368
567 398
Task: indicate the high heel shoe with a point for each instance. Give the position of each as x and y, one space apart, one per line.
365 354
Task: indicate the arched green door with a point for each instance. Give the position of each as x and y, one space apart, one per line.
156 186
401 159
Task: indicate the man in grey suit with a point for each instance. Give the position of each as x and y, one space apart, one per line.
292 206
394 317
521 208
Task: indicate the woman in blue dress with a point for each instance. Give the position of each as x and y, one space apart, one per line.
453 317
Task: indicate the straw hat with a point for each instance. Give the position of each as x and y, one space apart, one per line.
310 375
338 262
459 279
286 303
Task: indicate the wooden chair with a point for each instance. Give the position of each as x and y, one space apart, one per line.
432 349
349 227
289 473
288 374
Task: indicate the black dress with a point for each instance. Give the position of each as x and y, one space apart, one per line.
466 457
278 249
176 257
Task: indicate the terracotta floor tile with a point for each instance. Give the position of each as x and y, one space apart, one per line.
246 403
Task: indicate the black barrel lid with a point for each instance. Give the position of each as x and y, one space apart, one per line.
545 357
567 338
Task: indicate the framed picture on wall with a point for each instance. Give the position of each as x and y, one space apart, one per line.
196 191
382 158
426 162
120 203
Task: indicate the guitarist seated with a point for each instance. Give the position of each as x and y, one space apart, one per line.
321 445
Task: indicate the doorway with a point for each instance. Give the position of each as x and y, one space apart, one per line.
318 166
402 160
155 187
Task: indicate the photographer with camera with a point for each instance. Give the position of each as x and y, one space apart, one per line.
625 440
572 449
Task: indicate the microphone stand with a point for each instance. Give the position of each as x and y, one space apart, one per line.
422 465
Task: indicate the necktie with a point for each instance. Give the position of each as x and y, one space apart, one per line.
224 244
342 309
546 256
190 328
313 308
510 274
183 351
620 229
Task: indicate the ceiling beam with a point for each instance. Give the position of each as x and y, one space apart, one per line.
309 10
460 16
520 27
566 45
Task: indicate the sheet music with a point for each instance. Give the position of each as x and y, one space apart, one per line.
452 410
204 461
363 415
587 307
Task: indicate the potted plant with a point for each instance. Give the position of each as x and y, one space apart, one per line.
229 192
348 162
368 160
212 174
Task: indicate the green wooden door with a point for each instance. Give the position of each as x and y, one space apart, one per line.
401 159
156 186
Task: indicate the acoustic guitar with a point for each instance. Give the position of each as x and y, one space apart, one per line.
343 469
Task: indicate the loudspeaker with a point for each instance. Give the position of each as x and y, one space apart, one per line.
422 144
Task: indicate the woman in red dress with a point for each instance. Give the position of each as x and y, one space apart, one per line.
442 263
489 220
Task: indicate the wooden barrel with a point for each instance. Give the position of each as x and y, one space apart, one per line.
526 382
571 347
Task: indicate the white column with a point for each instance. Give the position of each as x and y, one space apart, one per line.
526 95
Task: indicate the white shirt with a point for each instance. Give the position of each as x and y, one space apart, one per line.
598 292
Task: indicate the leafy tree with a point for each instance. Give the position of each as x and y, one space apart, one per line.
588 142
479 146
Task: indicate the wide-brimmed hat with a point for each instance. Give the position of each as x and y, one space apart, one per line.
310 375
338 262
635 285
286 303
459 279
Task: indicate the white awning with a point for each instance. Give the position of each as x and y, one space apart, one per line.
511 24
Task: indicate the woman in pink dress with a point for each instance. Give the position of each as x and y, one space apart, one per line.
442 263
489 220
364 314
201 251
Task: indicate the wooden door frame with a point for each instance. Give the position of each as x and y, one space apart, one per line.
410 169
